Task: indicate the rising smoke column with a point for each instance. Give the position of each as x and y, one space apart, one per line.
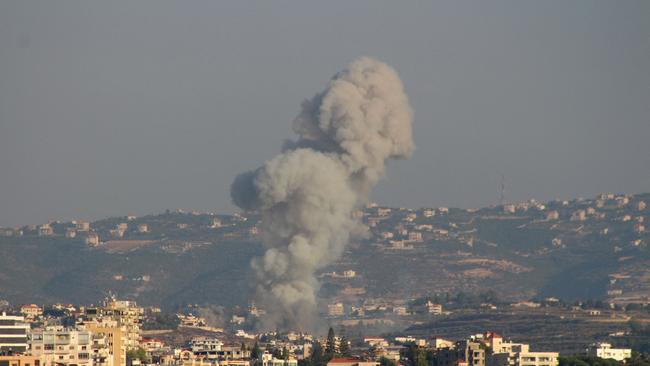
306 195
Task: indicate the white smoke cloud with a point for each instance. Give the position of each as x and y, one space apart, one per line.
306 194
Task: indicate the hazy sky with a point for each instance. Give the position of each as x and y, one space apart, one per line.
109 108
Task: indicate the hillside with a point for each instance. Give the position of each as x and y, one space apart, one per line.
579 249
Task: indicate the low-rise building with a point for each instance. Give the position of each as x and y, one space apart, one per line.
552 215
639 228
267 359
515 354
152 344
605 350
45 230
206 347
351 362
92 239
335 309
579 215
376 341
468 351
82 225
19 359
31 311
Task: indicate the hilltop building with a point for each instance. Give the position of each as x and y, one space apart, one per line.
335 309
143 228
45 230
92 239
605 350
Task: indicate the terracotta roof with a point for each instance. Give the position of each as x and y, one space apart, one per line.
344 360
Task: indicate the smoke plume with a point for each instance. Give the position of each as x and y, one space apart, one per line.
306 194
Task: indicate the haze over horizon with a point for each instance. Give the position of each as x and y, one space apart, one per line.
108 108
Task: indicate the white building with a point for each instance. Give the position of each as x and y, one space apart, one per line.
13 333
82 225
435 309
516 354
335 309
605 350
349 274
205 344
268 360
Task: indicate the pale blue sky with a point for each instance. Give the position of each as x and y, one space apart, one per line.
111 107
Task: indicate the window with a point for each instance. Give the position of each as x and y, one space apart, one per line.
48 347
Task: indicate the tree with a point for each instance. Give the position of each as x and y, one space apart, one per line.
136 354
256 352
277 353
383 361
318 358
416 355
330 346
344 344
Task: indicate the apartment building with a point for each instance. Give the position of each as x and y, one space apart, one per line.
109 342
206 347
469 351
126 314
13 333
60 346
506 353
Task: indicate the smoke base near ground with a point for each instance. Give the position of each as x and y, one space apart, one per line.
306 195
